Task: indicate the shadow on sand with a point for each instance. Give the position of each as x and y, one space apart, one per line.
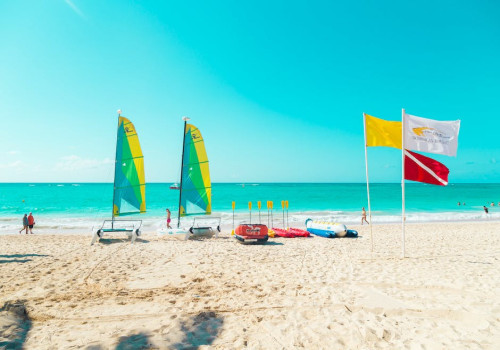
134 341
15 261
15 325
108 241
21 255
199 330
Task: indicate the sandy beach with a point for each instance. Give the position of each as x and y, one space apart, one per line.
313 293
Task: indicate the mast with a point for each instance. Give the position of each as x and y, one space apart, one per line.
182 169
114 178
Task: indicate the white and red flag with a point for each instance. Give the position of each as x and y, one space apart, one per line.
424 169
430 135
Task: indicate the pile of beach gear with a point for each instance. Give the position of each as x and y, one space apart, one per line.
261 233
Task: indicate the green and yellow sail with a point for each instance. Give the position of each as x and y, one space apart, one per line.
129 188
196 189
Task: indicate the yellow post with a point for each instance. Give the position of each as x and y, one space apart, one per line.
271 204
283 210
286 206
250 209
259 206
233 205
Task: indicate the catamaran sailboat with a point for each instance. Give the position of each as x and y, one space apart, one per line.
129 188
195 192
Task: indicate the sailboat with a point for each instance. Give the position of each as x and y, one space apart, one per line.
129 187
195 189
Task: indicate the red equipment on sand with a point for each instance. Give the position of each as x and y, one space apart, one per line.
291 232
251 231
298 232
283 233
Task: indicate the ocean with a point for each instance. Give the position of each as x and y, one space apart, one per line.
59 206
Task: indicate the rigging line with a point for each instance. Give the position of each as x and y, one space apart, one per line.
192 142
196 163
132 158
119 188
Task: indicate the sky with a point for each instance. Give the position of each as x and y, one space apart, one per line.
277 88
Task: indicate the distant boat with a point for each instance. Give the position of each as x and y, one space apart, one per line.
175 186
129 189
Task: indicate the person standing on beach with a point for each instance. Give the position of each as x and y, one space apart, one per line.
168 218
31 222
25 223
363 216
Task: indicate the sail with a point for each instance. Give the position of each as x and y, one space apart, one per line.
196 188
129 188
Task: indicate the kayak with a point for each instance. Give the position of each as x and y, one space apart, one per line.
283 233
298 232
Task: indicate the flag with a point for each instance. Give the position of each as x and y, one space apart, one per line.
429 135
424 169
380 132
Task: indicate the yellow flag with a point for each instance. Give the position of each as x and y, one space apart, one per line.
380 132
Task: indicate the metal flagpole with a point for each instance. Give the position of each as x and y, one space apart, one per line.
368 184
403 180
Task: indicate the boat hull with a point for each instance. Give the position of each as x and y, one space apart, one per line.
246 232
326 229
175 233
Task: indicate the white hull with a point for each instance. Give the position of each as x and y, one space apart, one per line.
176 233
202 231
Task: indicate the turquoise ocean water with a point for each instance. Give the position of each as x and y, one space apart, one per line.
80 205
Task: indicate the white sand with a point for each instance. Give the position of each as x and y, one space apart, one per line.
312 293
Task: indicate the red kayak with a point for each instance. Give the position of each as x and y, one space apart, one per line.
283 233
298 232
291 232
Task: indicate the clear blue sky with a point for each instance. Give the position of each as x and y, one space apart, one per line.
277 88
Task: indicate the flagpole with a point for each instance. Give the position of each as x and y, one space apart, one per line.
368 184
403 180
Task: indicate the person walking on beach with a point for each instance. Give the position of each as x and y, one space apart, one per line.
168 218
31 222
25 223
363 216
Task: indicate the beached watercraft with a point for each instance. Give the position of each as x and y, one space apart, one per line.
298 232
195 188
280 232
291 232
329 229
255 232
176 233
129 188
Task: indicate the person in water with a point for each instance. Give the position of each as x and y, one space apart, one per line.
25 223
31 222
485 209
168 218
363 216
